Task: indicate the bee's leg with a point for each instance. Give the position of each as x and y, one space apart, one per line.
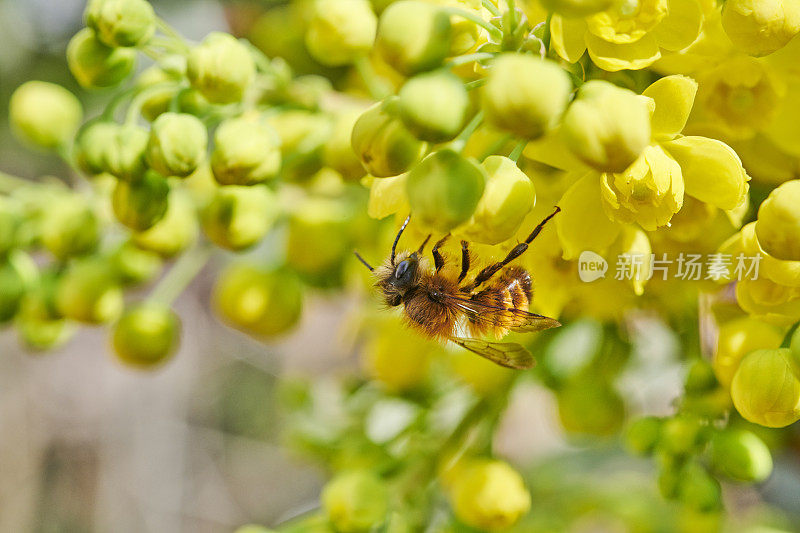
515 252
438 260
464 260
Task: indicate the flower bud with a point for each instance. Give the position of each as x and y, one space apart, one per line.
380 359
121 22
386 148
778 224
489 494
434 106
175 232
355 501
698 489
139 205
576 8
643 435
736 339
681 435
170 69
69 227
221 68
444 190
13 281
44 114
133 265
319 238
246 152
123 153
239 217
508 198
177 144
11 219
302 137
413 36
96 65
759 27
607 127
741 455
263 303
88 292
338 151
146 335
93 142
765 389
590 408
525 95
700 378
40 325
340 31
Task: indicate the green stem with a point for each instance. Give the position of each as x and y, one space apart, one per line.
168 44
180 275
517 151
787 340
491 8
477 19
152 54
475 84
469 58
499 143
116 101
171 32
512 5
374 85
461 141
546 34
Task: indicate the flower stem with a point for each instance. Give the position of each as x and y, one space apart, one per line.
180 275
475 84
461 141
546 34
172 33
499 143
477 19
517 151
135 107
469 58
491 8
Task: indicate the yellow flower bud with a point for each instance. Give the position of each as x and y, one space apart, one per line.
13 283
525 95
759 27
260 302
741 455
121 22
221 68
413 36
88 292
387 196
385 147
507 199
607 127
444 190
338 150
434 106
778 224
340 31
146 335
246 151
770 301
44 114
355 501
133 265
92 143
680 435
737 338
175 232
648 192
139 205
239 217
318 238
576 8
122 154
69 227
489 494
177 144
766 389
39 324
96 65
302 137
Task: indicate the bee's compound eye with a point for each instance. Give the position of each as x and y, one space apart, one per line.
401 269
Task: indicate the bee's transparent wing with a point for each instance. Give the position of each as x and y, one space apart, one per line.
507 354
507 317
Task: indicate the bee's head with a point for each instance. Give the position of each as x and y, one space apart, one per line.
395 281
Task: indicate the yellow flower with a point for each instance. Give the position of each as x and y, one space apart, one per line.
766 389
340 31
628 35
736 339
778 225
355 501
760 27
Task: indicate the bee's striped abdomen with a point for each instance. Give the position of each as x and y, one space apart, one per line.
513 290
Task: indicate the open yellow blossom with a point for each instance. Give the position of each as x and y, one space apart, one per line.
628 35
760 27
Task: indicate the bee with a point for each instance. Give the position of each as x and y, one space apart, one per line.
446 304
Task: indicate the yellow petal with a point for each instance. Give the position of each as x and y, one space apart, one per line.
613 57
712 172
634 242
387 196
582 223
551 150
783 129
674 97
567 37
681 26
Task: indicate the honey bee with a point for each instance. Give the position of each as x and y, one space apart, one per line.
445 304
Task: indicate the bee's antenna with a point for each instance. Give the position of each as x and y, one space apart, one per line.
422 246
364 261
396 239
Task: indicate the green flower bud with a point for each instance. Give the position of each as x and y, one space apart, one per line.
175 232
413 36
139 205
262 303
11 219
87 291
239 217
700 378
302 137
766 390
121 22
146 335
69 227
643 435
444 190
13 282
338 151
778 224
680 435
525 95
96 65
318 239
44 114
123 154
39 324
576 8
340 31
607 127
434 106
221 68
133 265
590 408
94 141
386 148
741 455
177 144
170 69
355 501
698 489
246 151
508 198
